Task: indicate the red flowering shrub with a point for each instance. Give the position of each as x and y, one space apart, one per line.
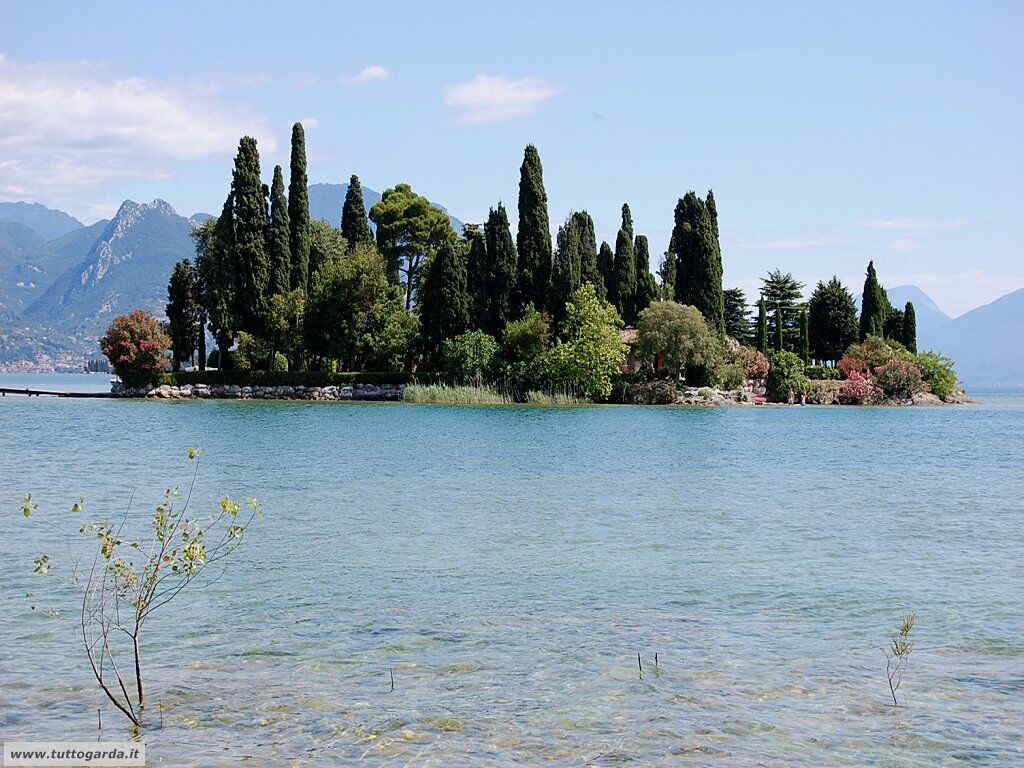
859 389
754 364
136 347
870 355
900 379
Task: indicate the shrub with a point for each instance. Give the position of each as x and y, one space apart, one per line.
859 389
900 379
731 376
937 372
871 354
136 346
823 391
678 335
592 352
755 364
469 356
786 376
822 373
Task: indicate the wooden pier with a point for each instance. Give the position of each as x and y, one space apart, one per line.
4 391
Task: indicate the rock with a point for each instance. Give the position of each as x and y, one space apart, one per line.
926 398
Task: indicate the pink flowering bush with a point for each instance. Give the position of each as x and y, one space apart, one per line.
900 379
859 389
754 364
136 347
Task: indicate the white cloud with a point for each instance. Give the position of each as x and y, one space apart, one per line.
489 98
915 225
370 74
67 130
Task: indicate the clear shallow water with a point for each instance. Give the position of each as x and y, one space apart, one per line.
509 563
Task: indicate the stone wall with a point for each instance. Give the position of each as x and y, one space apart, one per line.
236 392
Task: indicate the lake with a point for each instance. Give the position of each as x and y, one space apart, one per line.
509 563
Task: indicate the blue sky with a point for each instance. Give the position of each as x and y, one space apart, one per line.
830 135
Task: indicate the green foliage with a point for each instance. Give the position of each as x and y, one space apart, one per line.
646 286
250 217
135 345
761 336
278 238
254 352
251 378
590 267
447 394
591 352
409 231
325 242
823 392
476 274
355 227
501 270
731 376
469 357
298 211
680 337
444 299
805 341
752 361
909 335
606 263
874 308
781 294
217 277
786 376
871 354
894 325
698 258
822 373
832 318
900 379
523 345
566 267
285 322
183 312
779 329
737 316
667 276
533 238
937 371
623 287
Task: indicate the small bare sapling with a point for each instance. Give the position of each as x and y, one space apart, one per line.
897 654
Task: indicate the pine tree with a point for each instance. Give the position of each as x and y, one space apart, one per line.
805 339
832 320
278 236
444 299
354 224
182 313
298 210
646 285
737 316
250 216
590 268
476 275
623 293
533 240
501 271
761 337
782 291
565 268
910 328
874 306
698 259
606 263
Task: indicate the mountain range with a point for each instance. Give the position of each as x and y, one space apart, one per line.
61 282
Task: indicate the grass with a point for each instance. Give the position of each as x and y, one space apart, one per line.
448 394
535 397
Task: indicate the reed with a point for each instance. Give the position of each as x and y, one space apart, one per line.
448 394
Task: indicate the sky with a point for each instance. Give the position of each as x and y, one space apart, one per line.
830 135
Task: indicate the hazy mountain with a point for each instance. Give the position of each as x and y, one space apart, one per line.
126 267
326 201
986 344
49 223
931 321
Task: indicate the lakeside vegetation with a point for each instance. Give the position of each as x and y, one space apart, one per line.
280 292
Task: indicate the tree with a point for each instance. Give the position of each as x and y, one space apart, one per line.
779 343
135 345
910 328
444 299
278 238
832 320
500 272
591 352
782 293
667 276
786 378
761 337
250 216
646 285
590 268
354 225
533 239
409 231
285 323
469 356
698 259
874 306
217 276
737 315
182 313
476 274
623 292
606 263
805 341
298 210
566 267
894 325
325 242
679 337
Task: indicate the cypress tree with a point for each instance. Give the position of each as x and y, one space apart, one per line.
805 339
623 293
533 240
182 313
565 267
501 271
874 306
590 268
298 210
910 328
354 224
250 216
778 328
278 237
606 262
646 285
894 325
444 299
761 337
476 275
698 259
221 281
667 274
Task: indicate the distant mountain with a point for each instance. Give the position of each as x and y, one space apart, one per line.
931 321
326 201
49 223
126 267
986 344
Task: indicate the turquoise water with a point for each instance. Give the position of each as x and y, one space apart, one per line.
509 563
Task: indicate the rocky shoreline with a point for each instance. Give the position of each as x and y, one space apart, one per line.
383 392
